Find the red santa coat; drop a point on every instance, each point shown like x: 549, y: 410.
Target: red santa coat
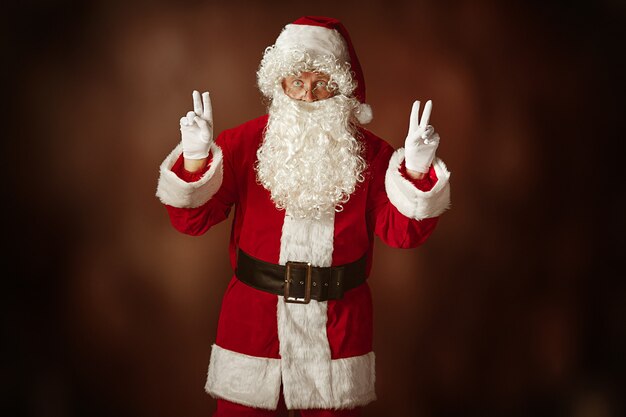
x: 321, y: 351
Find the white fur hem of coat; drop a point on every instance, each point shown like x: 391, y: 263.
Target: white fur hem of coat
x: 175, y: 192
x: 351, y: 384
x: 243, y: 379
x: 411, y: 201
x: 255, y: 381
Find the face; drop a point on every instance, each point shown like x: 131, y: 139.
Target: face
x: 309, y: 86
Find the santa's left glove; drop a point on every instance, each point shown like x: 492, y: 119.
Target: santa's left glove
x: 421, y: 142
x: 196, y: 128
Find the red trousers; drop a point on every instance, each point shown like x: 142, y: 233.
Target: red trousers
x: 229, y: 409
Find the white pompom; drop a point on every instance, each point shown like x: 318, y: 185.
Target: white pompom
x: 364, y: 113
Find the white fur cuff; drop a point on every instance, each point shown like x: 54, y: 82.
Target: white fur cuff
x: 243, y: 379
x: 173, y: 191
x: 411, y: 201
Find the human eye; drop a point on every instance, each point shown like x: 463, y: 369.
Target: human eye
x: 297, y: 83
x: 321, y: 84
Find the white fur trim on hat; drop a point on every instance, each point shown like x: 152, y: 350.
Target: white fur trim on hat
x: 316, y: 40
x: 175, y: 192
x: 364, y: 113
x: 411, y: 201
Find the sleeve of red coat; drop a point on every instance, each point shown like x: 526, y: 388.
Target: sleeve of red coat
x: 404, y: 211
x: 197, y: 201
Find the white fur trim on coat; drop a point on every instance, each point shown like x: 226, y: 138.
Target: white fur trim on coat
x: 255, y: 381
x: 411, y: 201
x: 307, y: 240
x: 311, y: 379
x: 353, y: 381
x: 304, y: 346
x: 244, y: 379
x: 313, y: 39
x: 173, y: 191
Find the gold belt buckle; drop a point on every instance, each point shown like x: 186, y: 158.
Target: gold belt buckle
x: 307, y: 282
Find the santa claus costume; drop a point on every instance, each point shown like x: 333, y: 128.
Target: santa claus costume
x: 317, y: 350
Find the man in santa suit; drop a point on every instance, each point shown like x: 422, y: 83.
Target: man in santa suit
x: 310, y: 188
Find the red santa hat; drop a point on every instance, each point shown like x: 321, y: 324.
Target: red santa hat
x: 320, y: 36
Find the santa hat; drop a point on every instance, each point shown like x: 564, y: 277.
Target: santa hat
x: 322, y: 37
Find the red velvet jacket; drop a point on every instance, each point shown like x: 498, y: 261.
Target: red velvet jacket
x: 322, y: 351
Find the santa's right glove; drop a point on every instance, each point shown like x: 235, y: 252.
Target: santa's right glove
x: 421, y: 142
x: 196, y: 128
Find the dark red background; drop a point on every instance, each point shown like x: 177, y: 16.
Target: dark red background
x: 515, y: 306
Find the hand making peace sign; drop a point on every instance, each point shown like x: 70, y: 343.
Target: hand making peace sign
x: 196, y: 128
x: 421, y: 142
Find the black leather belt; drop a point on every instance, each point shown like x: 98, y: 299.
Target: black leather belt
x: 300, y: 282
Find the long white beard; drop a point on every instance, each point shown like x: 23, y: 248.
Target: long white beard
x: 310, y: 160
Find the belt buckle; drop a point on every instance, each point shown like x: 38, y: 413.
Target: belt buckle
x: 307, y: 288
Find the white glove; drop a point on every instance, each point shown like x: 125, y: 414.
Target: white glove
x: 421, y: 142
x: 196, y: 128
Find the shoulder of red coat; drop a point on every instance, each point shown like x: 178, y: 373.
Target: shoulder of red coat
x: 251, y: 126
x: 252, y: 130
x: 374, y: 145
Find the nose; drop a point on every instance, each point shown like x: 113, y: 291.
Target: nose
x: 308, y: 96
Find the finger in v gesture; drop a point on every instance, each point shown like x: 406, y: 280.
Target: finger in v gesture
x: 202, y: 106
x: 415, y: 123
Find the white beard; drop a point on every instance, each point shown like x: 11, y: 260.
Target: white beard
x: 310, y: 160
